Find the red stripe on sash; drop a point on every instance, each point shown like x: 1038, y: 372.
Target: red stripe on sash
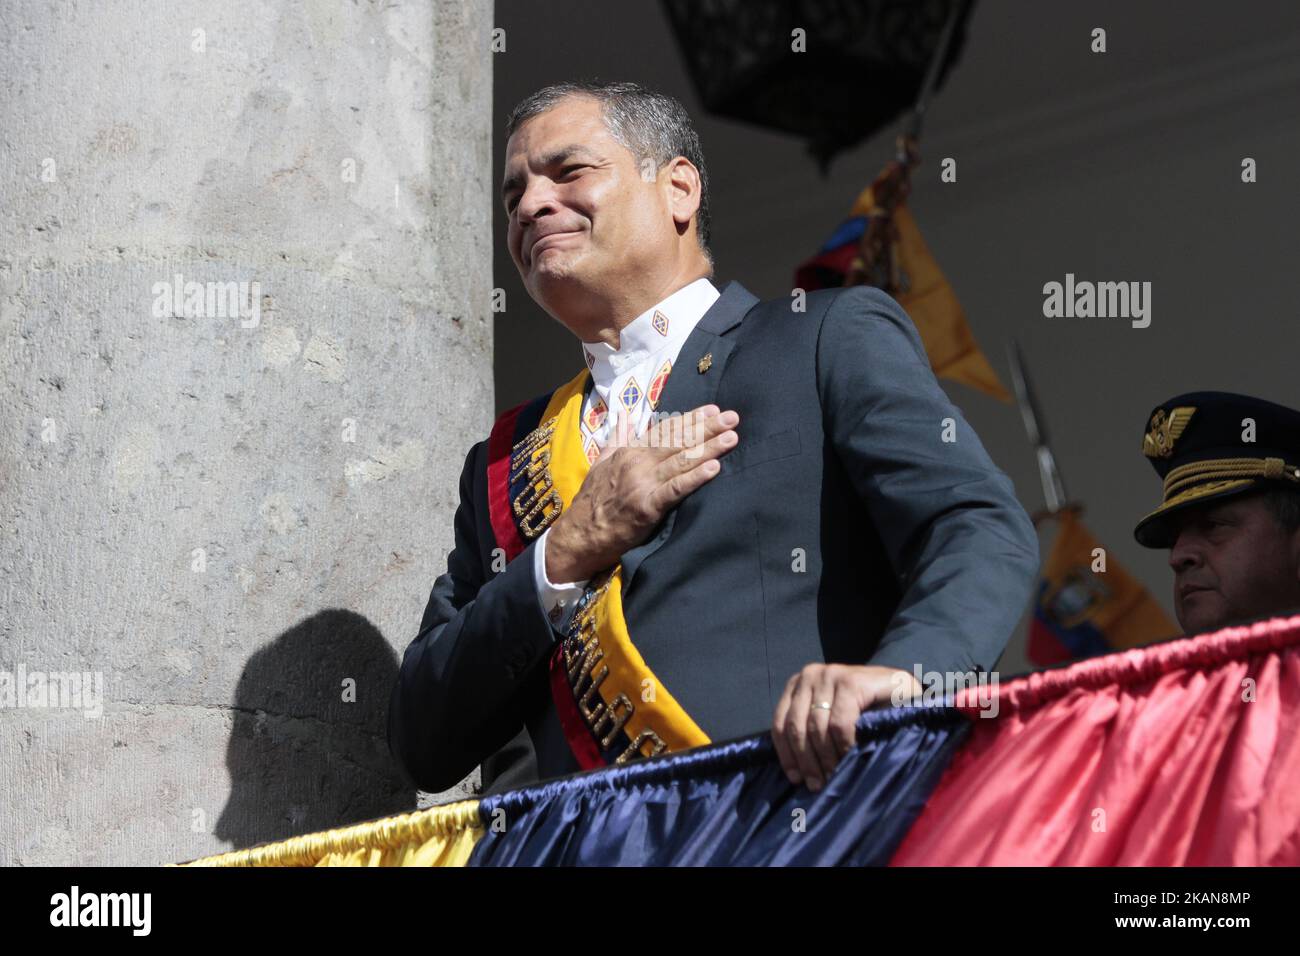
x: 500, y: 443
x: 575, y: 730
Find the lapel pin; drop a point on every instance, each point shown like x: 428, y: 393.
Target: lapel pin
x: 705, y: 363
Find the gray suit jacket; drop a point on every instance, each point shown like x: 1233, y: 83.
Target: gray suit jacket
x: 841, y: 528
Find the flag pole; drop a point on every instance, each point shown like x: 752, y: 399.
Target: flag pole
x: 932, y: 72
x: 877, y: 261
x: 1053, y: 484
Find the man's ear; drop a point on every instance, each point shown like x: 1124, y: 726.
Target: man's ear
x: 684, y: 183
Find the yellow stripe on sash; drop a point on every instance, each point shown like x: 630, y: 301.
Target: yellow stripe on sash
x: 569, y: 463
x: 661, y: 717
x: 656, y: 716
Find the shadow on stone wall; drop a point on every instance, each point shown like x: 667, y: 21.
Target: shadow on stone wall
x: 305, y: 754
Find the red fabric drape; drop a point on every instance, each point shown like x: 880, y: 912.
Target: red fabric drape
x: 1185, y: 753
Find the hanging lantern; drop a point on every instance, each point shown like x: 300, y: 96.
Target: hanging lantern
x: 833, y: 73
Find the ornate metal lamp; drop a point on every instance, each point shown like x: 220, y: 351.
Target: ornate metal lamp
x: 856, y: 67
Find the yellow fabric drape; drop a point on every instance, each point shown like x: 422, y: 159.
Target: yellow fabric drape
x: 439, y: 836
x: 933, y: 306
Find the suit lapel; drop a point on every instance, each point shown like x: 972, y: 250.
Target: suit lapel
x: 708, y: 346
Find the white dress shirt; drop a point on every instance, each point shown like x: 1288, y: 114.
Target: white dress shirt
x: 627, y: 379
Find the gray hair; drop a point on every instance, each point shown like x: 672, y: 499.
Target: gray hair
x: 646, y: 123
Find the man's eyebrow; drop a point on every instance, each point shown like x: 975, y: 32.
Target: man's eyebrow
x: 552, y: 158
x: 1220, y: 511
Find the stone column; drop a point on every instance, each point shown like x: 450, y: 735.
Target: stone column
x: 246, y: 341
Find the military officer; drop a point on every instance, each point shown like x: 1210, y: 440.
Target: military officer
x: 1230, y: 514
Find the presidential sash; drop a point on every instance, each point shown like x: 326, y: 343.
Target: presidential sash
x: 612, y: 707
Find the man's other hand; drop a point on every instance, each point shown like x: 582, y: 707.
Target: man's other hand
x: 816, y: 717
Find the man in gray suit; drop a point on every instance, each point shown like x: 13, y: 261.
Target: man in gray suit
x: 797, y: 518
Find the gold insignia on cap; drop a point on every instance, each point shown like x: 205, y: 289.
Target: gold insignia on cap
x: 704, y: 363
x: 1165, y: 429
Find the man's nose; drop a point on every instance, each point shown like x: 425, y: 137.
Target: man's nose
x: 535, y: 200
x: 1185, y: 553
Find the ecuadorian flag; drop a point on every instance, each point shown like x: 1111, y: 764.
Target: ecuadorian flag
x: 924, y: 292
x: 1087, y: 604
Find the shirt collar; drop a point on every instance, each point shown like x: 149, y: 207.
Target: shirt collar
x: 666, y: 324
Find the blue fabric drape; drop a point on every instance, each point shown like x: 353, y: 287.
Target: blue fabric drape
x: 730, y: 804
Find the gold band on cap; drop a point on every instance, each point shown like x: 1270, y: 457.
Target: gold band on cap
x: 1203, y: 479
x: 1221, y: 470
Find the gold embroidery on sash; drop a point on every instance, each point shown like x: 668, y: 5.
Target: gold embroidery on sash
x: 586, y: 672
x: 531, y: 505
